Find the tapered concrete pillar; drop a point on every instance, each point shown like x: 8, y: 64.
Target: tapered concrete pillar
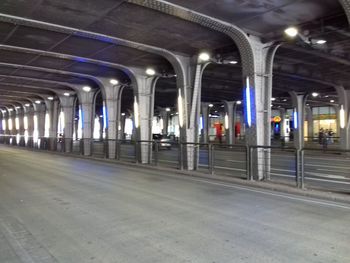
x: 299, y: 101
x: 310, y: 123
x: 111, y: 111
x: 87, y: 107
x: 4, y: 125
x: 20, y: 128
x: 39, y: 116
x: 1, y: 127
x: 257, y: 93
x: 11, y: 125
x: 231, y: 113
x: 144, y: 87
x: 121, y: 134
x: 343, y: 114
x: 189, y: 80
x: 283, y: 122
x: 205, y: 122
x: 67, y: 106
x: 164, y: 114
x: 52, y: 108
x: 29, y: 113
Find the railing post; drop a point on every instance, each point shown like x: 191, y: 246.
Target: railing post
x: 136, y: 152
x: 302, y: 166
x: 156, y: 153
x: 211, y: 158
x: 181, y: 156
x: 297, y: 163
x: 250, y: 163
x: 247, y: 156
x: 118, y: 145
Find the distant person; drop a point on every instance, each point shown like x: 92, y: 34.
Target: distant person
x: 331, y: 136
x: 291, y: 134
x: 320, y: 136
x: 325, y: 140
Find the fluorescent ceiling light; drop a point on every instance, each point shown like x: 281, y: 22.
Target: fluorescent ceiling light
x: 86, y: 88
x: 204, y: 56
x: 291, y: 32
x: 150, y: 72
x: 321, y: 42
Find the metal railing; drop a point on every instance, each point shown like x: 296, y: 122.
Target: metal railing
x: 326, y: 169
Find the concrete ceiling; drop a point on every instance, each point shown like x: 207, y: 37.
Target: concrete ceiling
x: 29, y: 51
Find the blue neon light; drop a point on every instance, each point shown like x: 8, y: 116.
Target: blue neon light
x: 81, y: 118
x: 295, y: 115
x: 104, y: 117
x: 247, y: 103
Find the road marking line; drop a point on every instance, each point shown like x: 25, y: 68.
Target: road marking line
x: 312, y: 179
x: 273, y: 194
x: 328, y: 166
x: 235, y: 161
x: 327, y: 175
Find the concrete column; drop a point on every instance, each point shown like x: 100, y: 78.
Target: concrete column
x: 87, y: 107
x: 299, y: 108
x: 5, y: 130
x: 165, y: 118
x: 189, y: 96
x: 344, y: 107
x: 310, y: 124
x: 144, y: 87
x: 283, y: 122
x: 20, y: 131
x: 1, y: 127
x: 52, y: 108
x: 11, y: 119
x: 231, y: 111
x: 257, y: 76
x: 121, y: 133
x: 112, y: 102
x: 205, y: 122
x: 40, y: 112
x: 67, y: 106
x: 29, y: 113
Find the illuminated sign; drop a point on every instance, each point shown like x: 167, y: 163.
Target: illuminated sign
x: 277, y: 119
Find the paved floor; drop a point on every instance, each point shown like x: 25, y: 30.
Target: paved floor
x: 62, y: 209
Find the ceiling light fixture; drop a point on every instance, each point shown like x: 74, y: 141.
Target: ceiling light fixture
x: 114, y: 82
x: 239, y: 102
x: 150, y: 72
x: 291, y: 31
x: 273, y: 99
x: 50, y: 98
x: 233, y: 62
x: 204, y: 56
x: 314, y: 94
x: 321, y: 42
x: 210, y: 105
x: 167, y: 109
x: 86, y: 88
x: 37, y: 101
x: 331, y: 101
x: 66, y: 94
x: 27, y: 104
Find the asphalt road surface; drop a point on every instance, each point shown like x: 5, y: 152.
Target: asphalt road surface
x: 64, y: 209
